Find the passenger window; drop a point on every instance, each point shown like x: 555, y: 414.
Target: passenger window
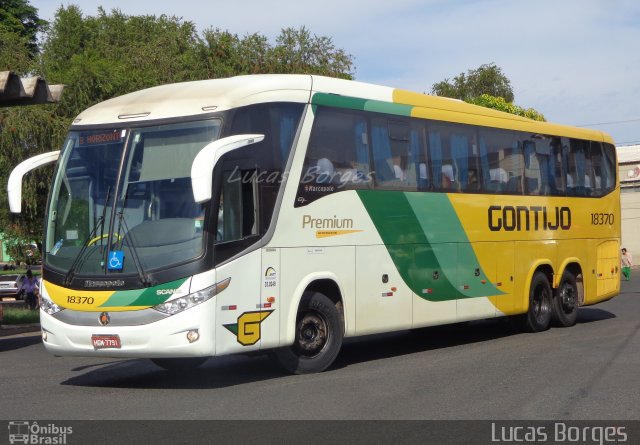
x: 558, y: 166
x: 393, y: 154
x: 540, y: 166
x: 501, y: 160
x: 455, y: 158
x: 579, y: 178
x: 337, y: 156
x: 603, y: 170
x: 609, y: 168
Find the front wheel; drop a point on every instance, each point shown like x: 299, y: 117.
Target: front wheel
x: 565, y: 301
x: 538, y: 317
x: 318, y: 336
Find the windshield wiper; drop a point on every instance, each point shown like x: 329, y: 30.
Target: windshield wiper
x: 142, y: 275
x: 79, y: 261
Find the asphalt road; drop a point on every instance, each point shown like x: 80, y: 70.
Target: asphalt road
x: 481, y: 370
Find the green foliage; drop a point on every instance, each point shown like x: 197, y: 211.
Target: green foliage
x: 14, y: 54
x: 486, y: 79
x: 486, y: 86
x: 19, y: 18
x: 19, y: 315
x: 295, y: 51
x: 498, y: 103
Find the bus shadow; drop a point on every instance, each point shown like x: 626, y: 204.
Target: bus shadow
x: 10, y: 344
x: 382, y: 346
x: 229, y: 371
x: 590, y: 314
x: 218, y: 372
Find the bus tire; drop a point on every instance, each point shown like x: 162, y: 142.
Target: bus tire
x: 565, y: 301
x: 538, y: 317
x: 318, y: 336
x: 179, y: 364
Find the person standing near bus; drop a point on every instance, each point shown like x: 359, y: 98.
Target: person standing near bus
x: 627, y: 262
x: 30, y: 287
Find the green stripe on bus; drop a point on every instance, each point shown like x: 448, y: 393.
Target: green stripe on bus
x: 143, y: 297
x: 406, y: 222
x: 354, y: 103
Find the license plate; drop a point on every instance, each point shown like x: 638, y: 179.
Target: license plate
x: 106, y: 342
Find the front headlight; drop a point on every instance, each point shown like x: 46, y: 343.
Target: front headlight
x: 178, y: 305
x: 48, y: 306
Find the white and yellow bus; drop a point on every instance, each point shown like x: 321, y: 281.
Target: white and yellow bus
x: 286, y: 212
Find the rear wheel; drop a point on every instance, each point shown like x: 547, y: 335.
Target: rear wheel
x: 179, y: 364
x: 565, y: 301
x: 538, y: 317
x: 318, y: 336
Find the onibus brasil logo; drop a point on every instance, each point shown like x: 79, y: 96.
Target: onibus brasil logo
x: 34, y: 433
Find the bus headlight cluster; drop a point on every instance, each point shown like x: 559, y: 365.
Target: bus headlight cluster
x: 178, y: 305
x: 48, y: 306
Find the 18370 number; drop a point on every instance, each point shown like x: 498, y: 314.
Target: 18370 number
x: 75, y: 299
x: 601, y: 219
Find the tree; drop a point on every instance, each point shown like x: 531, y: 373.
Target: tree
x: 498, y: 103
x: 486, y: 86
x: 295, y: 51
x: 486, y: 79
x: 18, y: 17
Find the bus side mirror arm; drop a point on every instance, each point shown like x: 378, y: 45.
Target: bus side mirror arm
x: 207, y: 158
x: 14, y: 186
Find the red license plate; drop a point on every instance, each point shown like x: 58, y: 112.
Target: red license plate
x: 106, y: 341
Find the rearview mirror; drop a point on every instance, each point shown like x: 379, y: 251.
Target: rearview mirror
x: 207, y: 158
x: 14, y: 186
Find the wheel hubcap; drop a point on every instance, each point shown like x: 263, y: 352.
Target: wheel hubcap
x: 312, y: 334
x: 568, y: 299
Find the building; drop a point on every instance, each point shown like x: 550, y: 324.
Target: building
x: 629, y: 172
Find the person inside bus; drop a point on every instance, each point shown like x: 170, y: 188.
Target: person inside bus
x: 472, y: 177
x: 325, y: 170
x: 448, y: 178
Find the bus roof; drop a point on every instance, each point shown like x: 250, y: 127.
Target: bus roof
x: 203, y: 97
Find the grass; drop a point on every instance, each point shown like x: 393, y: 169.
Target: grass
x: 14, y: 315
x: 35, y: 270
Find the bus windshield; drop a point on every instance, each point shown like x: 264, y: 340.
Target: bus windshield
x: 122, y: 200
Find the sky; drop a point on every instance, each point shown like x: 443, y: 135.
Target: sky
x: 575, y: 61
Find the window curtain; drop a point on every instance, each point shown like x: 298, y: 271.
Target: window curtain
x: 435, y: 152
x: 382, y: 153
x: 460, y: 155
x: 287, y: 133
x: 484, y: 162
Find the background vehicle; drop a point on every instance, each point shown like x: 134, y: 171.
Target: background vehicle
x: 286, y: 212
x: 9, y: 285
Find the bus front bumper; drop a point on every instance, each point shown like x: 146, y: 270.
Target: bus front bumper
x: 186, y: 334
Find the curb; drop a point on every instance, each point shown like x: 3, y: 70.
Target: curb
x: 14, y: 329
